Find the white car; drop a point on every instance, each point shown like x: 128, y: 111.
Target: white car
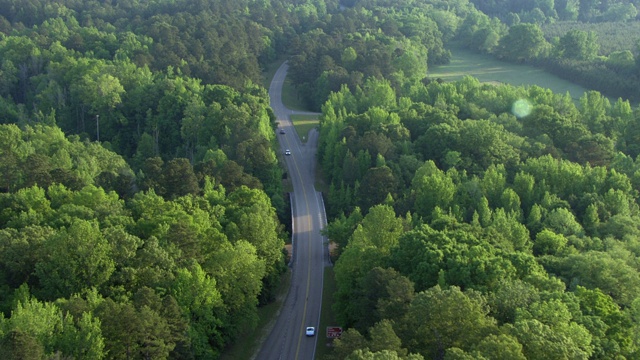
x: 287, y: 152
x: 311, y: 331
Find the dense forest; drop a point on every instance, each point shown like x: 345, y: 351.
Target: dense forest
x: 550, y: 10
x: 477, y: 221
x: 591, y: 43
x: 142, y: 203
x: 88, y: 275
x: 143, y: 213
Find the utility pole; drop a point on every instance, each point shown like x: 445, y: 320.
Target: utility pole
x: 98, y: 126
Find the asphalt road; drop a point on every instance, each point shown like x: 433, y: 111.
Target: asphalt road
x: 301, y: 308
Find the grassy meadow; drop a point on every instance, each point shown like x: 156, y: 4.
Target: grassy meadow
x: 290, y: 97
x: 270, y: 70
x: 303, y: 124
x: 487, y: 69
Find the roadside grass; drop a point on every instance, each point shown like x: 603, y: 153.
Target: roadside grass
x: 327, y: 317
x: 303, y: 124
x: 248, y: 343
x: 270, y: 70
x: 287, y: 185
x: 487, y: 69
x: 291, y: 98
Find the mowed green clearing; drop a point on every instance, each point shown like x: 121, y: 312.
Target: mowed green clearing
x: 487, y: 69
x: 303, y: 124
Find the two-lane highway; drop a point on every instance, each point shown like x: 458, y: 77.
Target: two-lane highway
x: 301, y: 308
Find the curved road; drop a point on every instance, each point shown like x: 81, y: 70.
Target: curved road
x: 287, y: 339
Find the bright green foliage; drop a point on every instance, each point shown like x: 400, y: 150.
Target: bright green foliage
x: 69, y: 162
x: 42, y: 328
x: 491, y: 202
x: 400, y: 53
x: 350, y: 341
x: 562, y: 221
x: 423, y: 253
x: 132, y: 332
x: 251, y: 217
x: 484, y: 212
x: 74, y: 259
x: 376, y: 93
x: 500, y: 347
x: 381, y: 355
x: 508, y: 233
x: 615, y: 336
x: 493, y: 184
x: 356, y: 261
x: 379, y: 229
x: 579, y: 45
x: 455, y: 353
x: 340, y: 230
x: 200, y: 301
x: 555, y: 337
x: 383, y: 338
x: 238, y: 271
x: 349, y: 56
x: 412, y: 64
x: 511, y: 202
x: 594, y: 110
x: 433, y: 188
x: 82, y: 338
x: 440, y: 319
x: 524, y: 42
x: 549, y: 243
x: 516, y: 204
x: 75, y: 237
x: 486, y: 143
x: 509, y: 296
x: 381, y: 294
x: 38, y: 319
x: 21, y: 251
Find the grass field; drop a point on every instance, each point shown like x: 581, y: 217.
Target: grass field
x: 290, y: 97
x: 488, y: 69
x: 303, y: 124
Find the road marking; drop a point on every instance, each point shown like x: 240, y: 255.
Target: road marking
x: 306, y: 297
x: 286, y: 112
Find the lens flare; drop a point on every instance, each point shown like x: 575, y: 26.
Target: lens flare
x: 521, y: 108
